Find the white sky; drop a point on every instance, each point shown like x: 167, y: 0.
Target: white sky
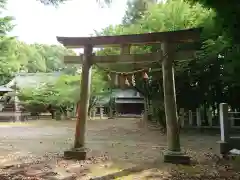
x: 38, y: 23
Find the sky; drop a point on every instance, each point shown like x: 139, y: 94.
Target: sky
x: 36, y: 23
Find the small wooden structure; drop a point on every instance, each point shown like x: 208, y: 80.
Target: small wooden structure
x: 165, y: 55
x: 129, y: 106
x: 121, y: 102
x: 127, y: 102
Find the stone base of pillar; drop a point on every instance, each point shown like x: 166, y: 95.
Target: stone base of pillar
x: 224, y: 147
x: 176, y: 158
x: 76, y: 153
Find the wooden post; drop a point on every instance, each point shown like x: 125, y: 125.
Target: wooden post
x: 169, y: 99
x: 209, y: 115
x: 198, y: 115
x: 16, y: 111
x: 84, y: 98
x: 232, y: 120
x: 182, y: 117
x: 101, y: 112
x: 145, y: 115
x: 190, y: 116
x: 111, y: 113
x: 150, y: 108
x: 94, y: 112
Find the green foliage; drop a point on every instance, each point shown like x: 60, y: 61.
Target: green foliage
x: 173, y: 15
x: 60, y: 95
x: 228, y: 13
x: 135, y: 10
x: 211, y: 78
x: 17, y: 56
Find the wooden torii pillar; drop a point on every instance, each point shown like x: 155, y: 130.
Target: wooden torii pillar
x: 167, y: 40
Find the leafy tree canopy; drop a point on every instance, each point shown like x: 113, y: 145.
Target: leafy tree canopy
x: 211, y: 78
x: 17, y: 56
x: 228, y: 13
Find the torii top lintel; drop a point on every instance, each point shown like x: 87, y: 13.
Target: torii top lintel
x: 187, y: 35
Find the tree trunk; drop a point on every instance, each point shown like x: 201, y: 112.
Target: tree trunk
x: 52, y: 114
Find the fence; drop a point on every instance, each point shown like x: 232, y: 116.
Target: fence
x: 195, y: 119
x: 228, y: 140
x: 198, y: 119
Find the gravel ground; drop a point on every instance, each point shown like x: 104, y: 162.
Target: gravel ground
x: 114, y: 145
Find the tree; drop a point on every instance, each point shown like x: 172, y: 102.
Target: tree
x: 62, y: 95
x: 5, y: 21
x: 227, y: 15
x: 59, y: 96
x: 218, y: 57
x: 173, y: 15
x: 5, y: 41
x: 17, y: 56
x: 135, y: 10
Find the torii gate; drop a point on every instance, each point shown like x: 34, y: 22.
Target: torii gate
x: 167, y: 41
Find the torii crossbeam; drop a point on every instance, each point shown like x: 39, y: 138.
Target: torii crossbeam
x: 166, y: 41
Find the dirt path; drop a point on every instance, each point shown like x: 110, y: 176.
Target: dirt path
x: 114, y: 145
